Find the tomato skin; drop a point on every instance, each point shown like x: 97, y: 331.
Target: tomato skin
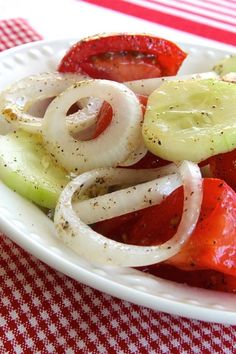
x: 160, y: 57
x: 104, y: 119
x: 105, y: 115
x: 158, y: 223
x: 212, y: 252
x: 143, y: 102
x: 150, y: 161
x: 212, y: 245
x: 224, y: 166
x: 213, y: 242
x: 207, y: 279
x: 119, y: 227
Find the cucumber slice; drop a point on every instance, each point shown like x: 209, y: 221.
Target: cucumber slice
x: 27, y: 168
x: 226, y: 66
x: 191, y: 120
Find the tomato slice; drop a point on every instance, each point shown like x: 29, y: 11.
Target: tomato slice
x: 118, y: 228
x: 150, y: 161
x: 213, y: 242
x: 207, y: 279
x: 105, y: 115
x: 224, y: 166
x: 122, y: 67
x: 123, y: 57
x: 104, y: 119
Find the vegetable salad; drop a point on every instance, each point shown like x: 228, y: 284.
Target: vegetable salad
x: 137, y: 165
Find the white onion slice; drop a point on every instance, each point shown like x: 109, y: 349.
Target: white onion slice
x: 126, y: 200
x: 230, y: 77
x: 99, y: 249
x: 135, y: 156
x: 18, y: 99
x: 114, y: 145
x: 85, y: 117
x: 147, y: 86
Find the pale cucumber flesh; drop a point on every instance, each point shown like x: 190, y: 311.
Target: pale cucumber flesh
x: 191, y: 120
x: 27, y: 168
x: 227, y: 65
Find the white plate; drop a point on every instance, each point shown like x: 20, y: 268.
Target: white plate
x: 31, y: 229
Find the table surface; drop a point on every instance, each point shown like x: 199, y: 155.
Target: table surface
x: 45, y: 311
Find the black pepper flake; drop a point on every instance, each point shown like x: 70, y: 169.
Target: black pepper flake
x: 65, y: 225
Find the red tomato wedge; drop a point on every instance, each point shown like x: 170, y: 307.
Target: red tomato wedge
x: 123, y: 57
x: 150, y: 161
x: 213, y: 242
x: 207, y: 279
x: 104, y: 119
x: 224, y: 166
x: 105, y: 115
x: 122, y: 67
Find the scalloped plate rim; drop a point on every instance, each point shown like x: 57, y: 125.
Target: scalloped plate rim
x: 108, y: 284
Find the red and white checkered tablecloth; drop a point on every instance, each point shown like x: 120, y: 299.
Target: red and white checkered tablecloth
x: 44, y: 311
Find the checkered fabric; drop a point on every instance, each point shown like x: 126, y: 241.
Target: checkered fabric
x: 44, y: 311
x: 14, y: 32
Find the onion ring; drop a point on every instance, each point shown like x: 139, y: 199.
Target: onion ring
x: 135, y: 156
x: 99, y: 249
x: 229, y: 77
x: 86, y: 117
x: 114, y: 145
x: 16, y: 101
x: 126, y: 200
